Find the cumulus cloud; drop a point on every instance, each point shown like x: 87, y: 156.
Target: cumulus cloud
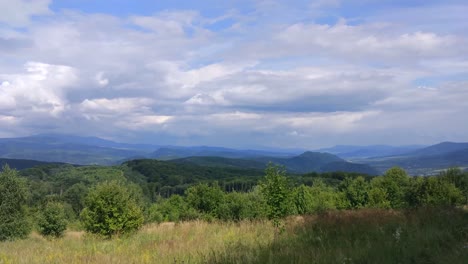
x: 179, y: 77
x: 42, y: 88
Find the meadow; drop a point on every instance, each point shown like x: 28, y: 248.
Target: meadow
x: 424, y: 235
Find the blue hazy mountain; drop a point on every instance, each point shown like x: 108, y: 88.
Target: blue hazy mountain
x: 428, y: 160
x: 69, y: 149
x: 356, y: 152
x: 174, y: 152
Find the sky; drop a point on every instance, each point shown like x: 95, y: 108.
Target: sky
x: 242, y: 74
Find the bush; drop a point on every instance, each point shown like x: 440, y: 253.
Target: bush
x: 13, y: 198
x: 435, y: 191
x: 53, y: 220
x: 111, y: 210
x: 173, y: 209
x: 204, y: 198
x: 356, y: 192
x: 235, y: 207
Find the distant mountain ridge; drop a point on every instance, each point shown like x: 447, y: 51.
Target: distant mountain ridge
x: 304, y: 163
x: 353, y: 152
x: 427, y: 160
x: 67, y: 149
x: 366, y: 159
x: 21, y: 164
x: 173, y: 152
x: 439, y: 149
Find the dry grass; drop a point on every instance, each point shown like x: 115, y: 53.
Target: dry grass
x: 187, y: 242
x: 362, y: 236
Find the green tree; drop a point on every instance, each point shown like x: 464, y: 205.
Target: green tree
x: 459, y: 179
x: 356, y: 192
x: 235, y: 207
x: 13, y: 197
x: 396, y: 184
x: 435, y: 191
x: 52, y: 220
x: 205, y: 198
x: 277, y: 193
x: 75, y: 196
x: 378, y: 197
x: 111, y: 210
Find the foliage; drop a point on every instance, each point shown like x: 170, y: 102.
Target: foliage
x: 13, y: 197
x: 356, y: 192
x: 277, y: 193
x: 172, y: 209
x: 75, y: 196
x: 459, y: 179
x: 205, y: 198
x: 111, y: 210
x: 52, y: 220
x: 317, y: 198
x: 396, y: 184
x: 435, y: 191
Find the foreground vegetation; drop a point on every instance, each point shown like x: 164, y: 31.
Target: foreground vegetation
x: 357, y: 236
x: 336, y: 218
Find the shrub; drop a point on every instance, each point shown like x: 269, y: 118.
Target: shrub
x: 356, y: 192
x: 13, y: 198
x: 53, y: 220
x: 111, y: 210
x: 173, y: 209
x: 435, y: 191
x: 204, y: 198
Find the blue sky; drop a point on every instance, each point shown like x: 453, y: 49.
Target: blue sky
x: 246, y: 74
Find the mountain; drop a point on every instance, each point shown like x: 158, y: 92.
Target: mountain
x: 356, y: 152
x: 69, y: 149
x: 304, y: 163
x: 21, y: 164
x: 173, y: 152
x: 439, y: 149
x: 427, y: 160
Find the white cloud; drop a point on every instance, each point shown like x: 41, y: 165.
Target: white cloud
x: 18, y: 13
x: 42, y: 88
x: 288, y: 81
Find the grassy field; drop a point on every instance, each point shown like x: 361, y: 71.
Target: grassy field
x: 363, y: 236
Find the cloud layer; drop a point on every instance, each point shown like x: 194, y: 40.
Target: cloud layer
x: 263, y: 73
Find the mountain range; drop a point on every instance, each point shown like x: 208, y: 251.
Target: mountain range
x: 375, y: 159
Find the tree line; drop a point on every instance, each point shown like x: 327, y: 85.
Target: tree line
x: 113, y: 201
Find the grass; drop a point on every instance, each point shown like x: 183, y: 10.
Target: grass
x: 165, y: 243
x: 363, y: 236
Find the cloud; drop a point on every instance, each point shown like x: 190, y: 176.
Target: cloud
x: 18, y: 13
x: 41, y: 88
x: 239, y: 78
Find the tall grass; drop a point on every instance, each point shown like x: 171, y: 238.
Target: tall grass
x: 363, y: 236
